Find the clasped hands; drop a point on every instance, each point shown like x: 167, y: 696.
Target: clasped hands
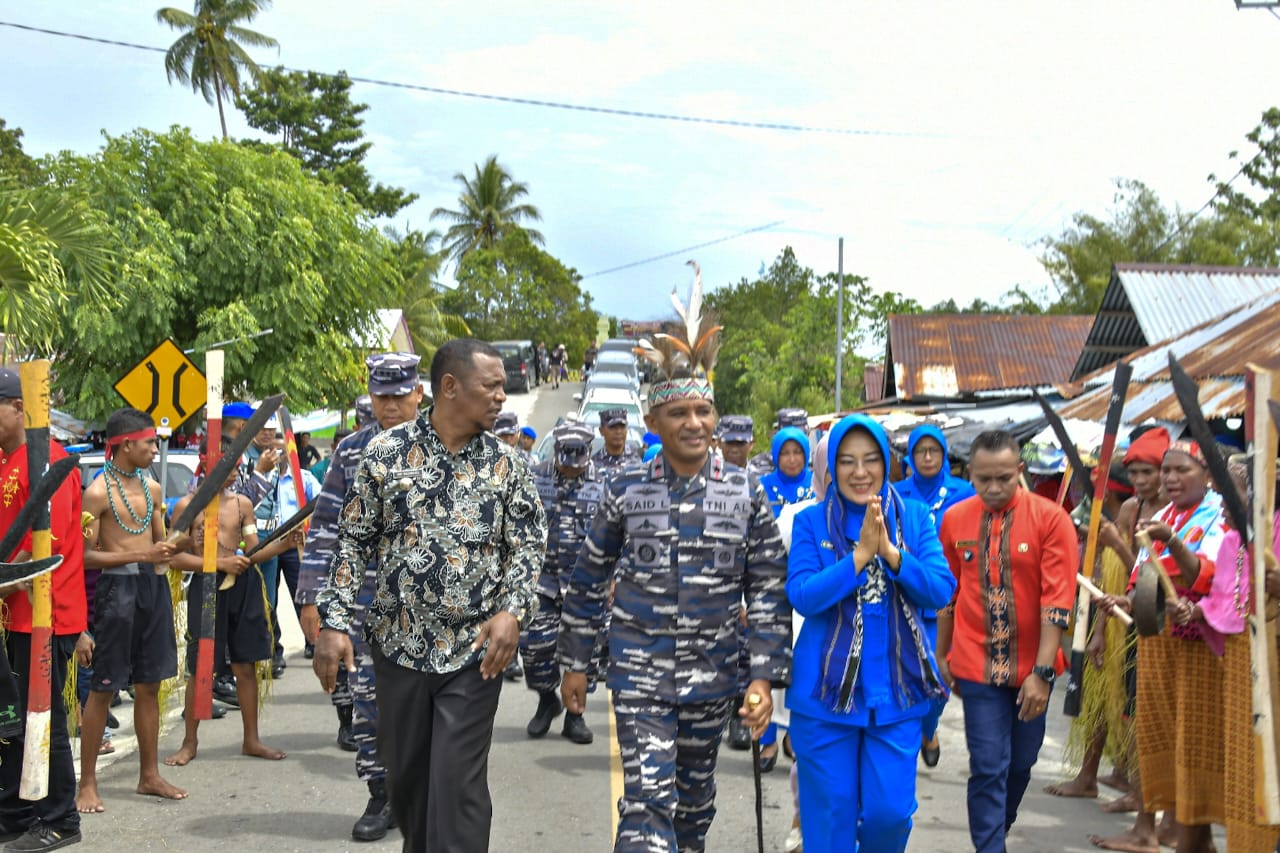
x: 874, y: 539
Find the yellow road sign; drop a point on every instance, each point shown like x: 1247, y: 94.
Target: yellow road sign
x: 165, y: 384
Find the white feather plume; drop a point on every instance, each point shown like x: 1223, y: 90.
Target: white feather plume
x: 693, y: 319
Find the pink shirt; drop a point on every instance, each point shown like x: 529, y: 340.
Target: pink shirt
x: 1228, y: 604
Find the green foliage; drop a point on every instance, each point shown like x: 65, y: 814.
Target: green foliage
x: 779, y: 342
x: 214, y: 241
x: 515, y: 290
x: 15, y: 165
x: 44, y: 234
x: 317, y: 122
x: 209, y: 54
x: 420, y: 295
x: 487, y: 211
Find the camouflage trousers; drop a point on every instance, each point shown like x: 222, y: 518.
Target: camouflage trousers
x: 356, y: 691
x: 538, y: 648
x: 668, y: 773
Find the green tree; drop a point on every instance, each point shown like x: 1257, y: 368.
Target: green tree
x: 420, y: 295
x: 215, y: 242
x: 516, y: 290
x: 314, y: 119
x: 209, y: 53
x: 15, y: 164
x: 489, y: 208
x: 53, y: 254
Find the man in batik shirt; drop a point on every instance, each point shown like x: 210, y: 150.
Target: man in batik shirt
x: 454, y: 518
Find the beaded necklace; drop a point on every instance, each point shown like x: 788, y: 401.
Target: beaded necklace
x: 112, y: 474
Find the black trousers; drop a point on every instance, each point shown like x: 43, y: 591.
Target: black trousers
x: 58, y: 809
x: 434, y: 732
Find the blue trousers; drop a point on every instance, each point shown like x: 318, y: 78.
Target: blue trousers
x: 857, y: 784
x: 1002, y: 751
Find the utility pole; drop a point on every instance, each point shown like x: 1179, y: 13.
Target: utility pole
x: 840, y: 324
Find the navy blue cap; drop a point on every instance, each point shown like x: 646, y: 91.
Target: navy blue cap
x: 393, y: 374
x: 506, y: 423
x: 234, y: 410
x: 573, y: 445
x: 10, y: 385
x: 613, y: 417
x: 792, y: 418
x: 737, y: 428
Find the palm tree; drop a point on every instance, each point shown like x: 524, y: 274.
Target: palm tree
x: 487, y: 210
x: 208, y: 55
x: 45, y: 233
x: 421, y: 297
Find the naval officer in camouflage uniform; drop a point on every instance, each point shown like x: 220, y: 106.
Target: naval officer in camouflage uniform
x: 615, y: 453
x: 691, y: 538
x: 395, y: 391
x: 570, y: 488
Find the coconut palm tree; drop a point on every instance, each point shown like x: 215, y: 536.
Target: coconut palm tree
x: 421, y: 296
x: 208, y: 54
x: 487, y: 209
x: 46, y: 233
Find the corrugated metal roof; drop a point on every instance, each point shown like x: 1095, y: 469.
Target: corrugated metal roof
x: 1214, y: 354
x: 1148, y: 303
x: 949, y: 355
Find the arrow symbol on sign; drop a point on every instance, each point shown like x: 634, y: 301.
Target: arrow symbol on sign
x: 155, y: 387
x: 177, y: 384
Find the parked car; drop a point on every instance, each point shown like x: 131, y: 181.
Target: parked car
x: 618, y: 362
x: 635, y: 441
x: 179, y: 472
x: 612, y: 380
x: 519, y: 360
x: 596, y: 400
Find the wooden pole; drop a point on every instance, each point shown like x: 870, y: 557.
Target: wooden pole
x: 34, y: 784
x: 209, y: 574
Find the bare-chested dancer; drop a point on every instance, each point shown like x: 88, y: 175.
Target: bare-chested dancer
x: 133, y: 640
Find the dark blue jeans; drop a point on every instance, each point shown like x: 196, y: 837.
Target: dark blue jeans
x: 1002, y: 751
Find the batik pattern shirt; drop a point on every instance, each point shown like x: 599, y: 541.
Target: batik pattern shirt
x: 457, y: 539
x: 687, y: 552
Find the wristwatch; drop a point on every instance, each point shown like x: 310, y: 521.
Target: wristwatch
x: 1044, y: 673
x: 517, y: 612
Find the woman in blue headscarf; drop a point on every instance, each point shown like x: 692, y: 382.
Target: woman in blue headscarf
x: 790, y: 481
x: 863, y: 565
x: 931, y: 483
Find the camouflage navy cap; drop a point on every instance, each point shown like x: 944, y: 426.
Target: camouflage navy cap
x: 506, y: 423
x: 613, y: 417
x: 393, y: 374
x: 792, y: 418
x: 737, y: 428
x: 573, y: 445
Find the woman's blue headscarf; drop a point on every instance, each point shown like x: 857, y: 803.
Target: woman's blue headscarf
x: 912, y: 673
x: 780, y: 488
x: 926, y: 488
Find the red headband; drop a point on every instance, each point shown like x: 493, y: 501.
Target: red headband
x: 137, y: 435
x: 1191, y: 449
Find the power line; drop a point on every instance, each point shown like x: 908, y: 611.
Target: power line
x: 531, y: 102
x: 686, y: 249
x: 1219, y: 191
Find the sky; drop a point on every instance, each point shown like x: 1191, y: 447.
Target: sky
x: 968, y: 132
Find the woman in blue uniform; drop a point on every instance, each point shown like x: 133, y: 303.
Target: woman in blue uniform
x: 863, y: 565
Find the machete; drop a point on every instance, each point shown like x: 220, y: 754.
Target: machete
x: 216, y: 478
x: 11, y: 573
x: 1188, y: 393
x: 1079, y: 471
x: 1080, y: 634
x: 40, y: 496
x: 286, y: 527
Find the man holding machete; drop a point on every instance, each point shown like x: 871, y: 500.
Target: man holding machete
x: 53, y: 821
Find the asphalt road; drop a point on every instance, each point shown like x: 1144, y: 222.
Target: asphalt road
x: 549, y: 794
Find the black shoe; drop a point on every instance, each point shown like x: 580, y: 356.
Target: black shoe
x: 549, y: 708
x: 224, y: 690
x: 216, y: 712
x: 309, y: 651
x: 112, y: 722
x: 513, y: 672
x: 377, y: 819
x: 739, y: 734
x: 931, y: 754
x: 575, y: 729
x: 277, y: 669
x: 41, y: 837
x: 346, y: 738
x: 768, y: 762
x: 7, y: 835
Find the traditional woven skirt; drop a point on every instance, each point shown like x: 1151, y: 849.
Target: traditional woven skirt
x: 1243, y: 833
x: 1180, y: 737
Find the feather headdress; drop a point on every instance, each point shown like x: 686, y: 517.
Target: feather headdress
x: 687, y: 357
